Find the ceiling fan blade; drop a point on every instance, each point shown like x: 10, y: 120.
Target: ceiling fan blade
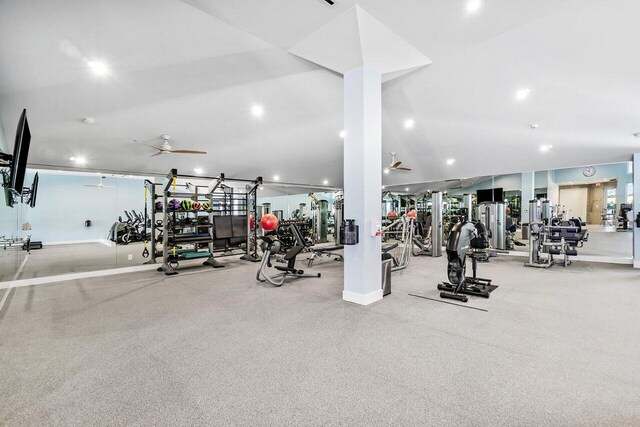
x: 403, y: 169
x: 188, y: 152
x: 395, y: 165
x: 91, y: 185
x: 149, y: 145
x: 157, y: 154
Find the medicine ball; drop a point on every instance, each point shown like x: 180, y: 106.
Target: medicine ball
x: 174, y: 204
x: 159, y: 206
x: 392, y: 215
x: 412, y: 214
x: 269, y: 222
x: 185, y: 205
x: 195, y: 206
x: 206, y: 206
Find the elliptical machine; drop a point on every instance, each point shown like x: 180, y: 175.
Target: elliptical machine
x: 466, y: 238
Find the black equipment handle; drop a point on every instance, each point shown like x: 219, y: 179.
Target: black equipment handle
x: 145, y: 251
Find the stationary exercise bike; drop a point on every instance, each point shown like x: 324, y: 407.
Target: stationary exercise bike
x: 271, y: 247
x: 466, y: 238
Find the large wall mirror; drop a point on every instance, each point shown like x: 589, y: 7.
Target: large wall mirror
x: 599, y: 196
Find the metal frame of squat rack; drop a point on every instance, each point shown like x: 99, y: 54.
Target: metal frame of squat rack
x: 247, y: 204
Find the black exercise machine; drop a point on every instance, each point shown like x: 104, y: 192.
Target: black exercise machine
x: 466, y: 238
x: 623, y: 220
x: 330, y: 251
x: 271, y: 247
x: 386, y: 252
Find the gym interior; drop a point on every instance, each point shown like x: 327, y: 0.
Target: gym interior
x: 313, y: 212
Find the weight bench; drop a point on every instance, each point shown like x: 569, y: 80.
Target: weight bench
x: 315, y: 252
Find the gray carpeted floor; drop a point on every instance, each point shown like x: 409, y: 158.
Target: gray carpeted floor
x: 213, y: 347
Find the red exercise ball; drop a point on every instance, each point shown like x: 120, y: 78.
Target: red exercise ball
x: 412, y: 214
x: 392, y: 214
x: 269, y: 222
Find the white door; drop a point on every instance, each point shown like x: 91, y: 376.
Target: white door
x: 574, y: 201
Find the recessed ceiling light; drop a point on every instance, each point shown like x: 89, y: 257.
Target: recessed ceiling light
x: 409, y: 124
x: 343, y: 134
x: 545, y: 148
x: 261, y: 187
x: 99, y: 68
x: 325, y: 182
x: 522, y: 93
x: 533, y: 126
x: 383, y: 187
x: 386, y: 170
x: 72, y: 159
x: 406, y: 189
x: 276, y: 178
x: 80, y: 161
x: 88, y: 121
x: 257, y: 110
x: 473, y: 6
x: 451, y: 161
x: 198, y: 171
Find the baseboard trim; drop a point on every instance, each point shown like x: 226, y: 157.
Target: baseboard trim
x: 362, y: 299
x: 76, y: 276
x: 75, y: 242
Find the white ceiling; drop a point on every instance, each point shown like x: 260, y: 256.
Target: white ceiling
x: 194, y: 68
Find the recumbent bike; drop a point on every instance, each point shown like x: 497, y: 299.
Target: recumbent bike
x: 271, y: 247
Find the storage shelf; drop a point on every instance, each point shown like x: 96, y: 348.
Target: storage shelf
x: 173, y: 240
x: 187, y: 211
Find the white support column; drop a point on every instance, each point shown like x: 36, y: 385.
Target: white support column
x: 636, y: 209
x: 365, y: 52
x: 363, y: 182
x: 528, y: 193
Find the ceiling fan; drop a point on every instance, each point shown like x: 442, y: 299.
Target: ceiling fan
x: 100, y: 184
x: 395, y: 164
x: 166, y: 148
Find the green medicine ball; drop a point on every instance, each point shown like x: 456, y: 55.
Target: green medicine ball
x: 185, y: 205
